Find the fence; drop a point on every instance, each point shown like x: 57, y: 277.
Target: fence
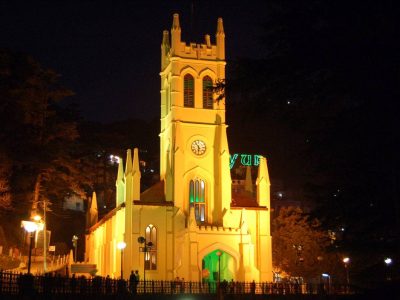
x: 13, y: 284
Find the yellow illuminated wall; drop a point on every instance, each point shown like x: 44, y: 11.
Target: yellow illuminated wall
x: 191, y: 207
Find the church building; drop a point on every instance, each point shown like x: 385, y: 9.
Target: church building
x: 192, y: 224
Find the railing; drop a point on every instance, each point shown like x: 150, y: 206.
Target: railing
x: 12, y: 284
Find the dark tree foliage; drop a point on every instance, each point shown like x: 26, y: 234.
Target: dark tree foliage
x: 301, y: 248
x: 37, y: 137
x: 323, y: 101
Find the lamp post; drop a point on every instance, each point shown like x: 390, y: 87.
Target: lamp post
x: 145, y: 249
x: 121, y: 246
x: 346, y: 261
x: 38, y: 219
x: 325, y: 275
x: 388, y: 261
x: 30, y: 227
x: 75, y: 244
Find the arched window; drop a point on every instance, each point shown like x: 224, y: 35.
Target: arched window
x: 151, y: 253
x: 188, y: 91
x: 197, y: 199
x: 207, y: 92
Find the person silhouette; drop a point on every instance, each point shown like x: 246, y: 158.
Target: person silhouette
x: 132, y: 279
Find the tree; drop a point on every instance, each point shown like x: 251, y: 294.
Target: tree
x: 38, y: 136
x: 300, y: 246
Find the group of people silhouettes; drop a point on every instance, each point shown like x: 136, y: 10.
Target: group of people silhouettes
x: 134, y: 281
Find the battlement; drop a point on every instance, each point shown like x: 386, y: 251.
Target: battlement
x: 214, y: 228
x: 175, y: 47
x: 196, y: 51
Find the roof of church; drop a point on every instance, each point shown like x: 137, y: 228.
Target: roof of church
x: 243, y: 199
x: 154, y: 194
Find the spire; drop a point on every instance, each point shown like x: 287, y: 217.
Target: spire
x: 128, y: 167
x: 263, y: 170
x: 120, y: 175
x: 175, y: 34
x: 136, y: 175
x: 220, y: 37
x: 93, y: 212
x: 120, y: 183
x: 165, y: 39
x: 248, y: 185
x: 165, y: 46
x: 136, y: 168
x: 220, y: 27
x: 175, y: 23
x: 263, y: 184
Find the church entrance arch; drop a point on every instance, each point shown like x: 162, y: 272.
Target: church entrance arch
x: 218, y: 263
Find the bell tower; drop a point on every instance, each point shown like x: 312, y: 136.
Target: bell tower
x: 194, y: 153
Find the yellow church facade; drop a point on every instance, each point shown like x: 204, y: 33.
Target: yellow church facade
x: 191, y: 224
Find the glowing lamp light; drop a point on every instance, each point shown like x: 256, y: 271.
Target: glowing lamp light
x: 388, y: 261
x: 121, y: 245
x: 30, y: 226
x: 325, y: 275
x: 114, y: 159
x: 346, y: 260
x: 37, y: 218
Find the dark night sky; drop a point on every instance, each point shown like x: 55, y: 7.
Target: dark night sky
x: 109, y: 54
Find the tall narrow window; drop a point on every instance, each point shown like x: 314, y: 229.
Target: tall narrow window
x: 207, y: 92
x: 197, y: 199
x: 188, y: 91
x: 150, y: 259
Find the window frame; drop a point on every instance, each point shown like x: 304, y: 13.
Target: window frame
x: 188, y: 90
x: 150, y: 260
x: 197, y: 199
x: 208, y: 100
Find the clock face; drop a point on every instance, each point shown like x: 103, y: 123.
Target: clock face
x: 198, y: 147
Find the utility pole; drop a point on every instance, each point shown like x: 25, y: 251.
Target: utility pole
x: 44, y: 238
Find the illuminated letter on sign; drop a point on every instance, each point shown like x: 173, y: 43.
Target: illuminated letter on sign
x: 245, y: 159
x: 233, y: 160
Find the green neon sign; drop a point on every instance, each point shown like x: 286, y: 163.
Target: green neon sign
x: 244, y: 159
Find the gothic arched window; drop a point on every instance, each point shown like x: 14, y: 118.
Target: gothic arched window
x: 151, y: 253
x: 188, y: 91
x: 207, y: 92
x: 197, y: 199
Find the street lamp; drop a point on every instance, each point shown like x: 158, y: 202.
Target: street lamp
x: 75, y: 244
x: 38, y: 219
x: 346, y: 261
x: 145, y: 249
x: 388, y: 261
x: 325, y: 275
x: 30, y: 227
x: 121, y: 246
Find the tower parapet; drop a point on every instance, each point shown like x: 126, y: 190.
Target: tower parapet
x: 190, y: 50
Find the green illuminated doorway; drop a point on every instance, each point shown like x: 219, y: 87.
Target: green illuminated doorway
x: 211, y: 263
